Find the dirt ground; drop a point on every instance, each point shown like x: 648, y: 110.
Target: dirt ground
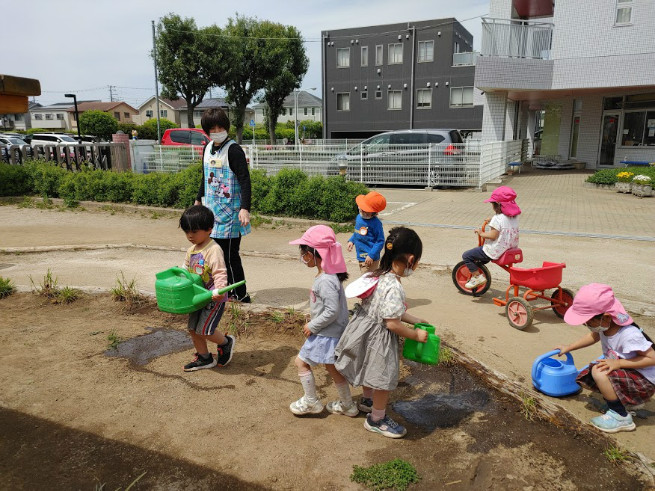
x: 76, y: 414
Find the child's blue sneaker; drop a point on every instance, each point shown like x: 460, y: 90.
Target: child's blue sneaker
x: 613, y: 422
x: 386, y: 427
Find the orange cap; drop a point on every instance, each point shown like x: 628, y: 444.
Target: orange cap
x: 372, y: 202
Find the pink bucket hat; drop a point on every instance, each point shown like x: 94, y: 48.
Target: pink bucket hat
x: 322, y: 238
x: 505, y: 196
x: 594, y: 299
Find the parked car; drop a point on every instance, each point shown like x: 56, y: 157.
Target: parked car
x: 185, y: 137
x: 53, y: 139
x: 6, y: 141
x: 406, y: 157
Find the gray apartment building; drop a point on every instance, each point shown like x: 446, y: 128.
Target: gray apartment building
x: 409, y: 75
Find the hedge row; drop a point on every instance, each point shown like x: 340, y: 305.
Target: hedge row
x: 289, y: 193
x: 608, y: 176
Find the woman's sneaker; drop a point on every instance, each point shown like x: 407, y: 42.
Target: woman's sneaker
x: 199, y: 363
x: 224, y: 353
x: 365, y: 404
x: 386, y: 427
x: 337, y: 407
x: 303, y: 406
x: 613, y: 422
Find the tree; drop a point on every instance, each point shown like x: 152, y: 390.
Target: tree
x: 293, y: 63
x: 148, y: 130
x: 257, y: 56
x: 98, y: 123
x: 189, y: 60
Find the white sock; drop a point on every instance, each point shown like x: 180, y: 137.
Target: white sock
x: 344, y: 394
x: 308, y: 385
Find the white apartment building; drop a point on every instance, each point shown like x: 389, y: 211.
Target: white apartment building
x: 584, y: 69
x: 309, y: 108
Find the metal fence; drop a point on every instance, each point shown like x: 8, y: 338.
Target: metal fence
x: 516, y: 38
x: 165, y: 158
x: 73, y: 156
x: 495, y: 156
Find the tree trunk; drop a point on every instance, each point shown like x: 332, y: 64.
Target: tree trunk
x: 189, y: 115
x: 272, y: 123
x: 239, y: 134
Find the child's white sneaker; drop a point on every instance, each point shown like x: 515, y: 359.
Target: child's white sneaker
x: 613, y: 422
x: 303, y: 406
x: 337, y: 407
x: 476, y: 281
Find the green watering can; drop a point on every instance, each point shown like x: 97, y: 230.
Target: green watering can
x: 427, y: 352
x: 181, y: 292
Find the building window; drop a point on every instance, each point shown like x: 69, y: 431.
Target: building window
x: 149, y: 113
x: 343, y: 57
x: 313, y: 111
x: 456, y: 47
x: 639, y: 129
x: 284, y: 111
x: 461, y: 97
x: 60, y: 116
x: 424, y: 98
x: 364, y: 55
x: 624, y: 11
x: 425, y: 51
x: 127, y: 115
x: 48, y: 116
x: 395, y: 56
x: 18, y: 117
x: 305, y: 111
x: 117, y: 115
x: 394, y: 100
x: 343, y: 101
x: 290, y: 111
x: 379, y: 55
x: 38, y: 116
x: 197, y: 114
x: 378, y: 94
x: 163, y: 113
x: 364, y: 96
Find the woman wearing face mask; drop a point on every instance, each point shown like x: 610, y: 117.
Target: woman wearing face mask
x: 626, y: 376
x: 226, y: 188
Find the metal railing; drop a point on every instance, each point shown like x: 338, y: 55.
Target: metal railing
x: 73, y: 156
x: 166, y: 158
x: 465, y: 59
x: 495, y: 156
x: 516, y: 38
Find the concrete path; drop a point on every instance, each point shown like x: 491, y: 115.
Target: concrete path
x: 602, y: 236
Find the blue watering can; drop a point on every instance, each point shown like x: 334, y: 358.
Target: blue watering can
x: 554, y: 377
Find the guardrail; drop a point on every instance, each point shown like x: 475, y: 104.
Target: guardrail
x: 73, y: 156
x: 516, y: 38
x: 465, y: 59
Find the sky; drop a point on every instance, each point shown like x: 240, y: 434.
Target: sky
x: 86, y: 46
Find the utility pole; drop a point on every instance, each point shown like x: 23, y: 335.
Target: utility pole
x: 111, y: 93
x: 154, y: 57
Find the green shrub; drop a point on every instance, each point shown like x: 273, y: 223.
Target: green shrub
x: 187, y: 183
x: 98, y: 123
x: 283, y: 187
x: 152, y: 189
x: 45, y: 178
x: 148, y: 130
x: 260, y: 186
x: 608, y: 176
x: 15, y: 180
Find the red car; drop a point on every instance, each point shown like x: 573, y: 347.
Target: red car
x: 185, y: 137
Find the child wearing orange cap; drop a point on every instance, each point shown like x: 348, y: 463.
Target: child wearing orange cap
x: 368, y: 237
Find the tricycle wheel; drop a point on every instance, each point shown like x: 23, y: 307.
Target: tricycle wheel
x: 519, y: 313
x: 461, y: 275
x: 558, y: 308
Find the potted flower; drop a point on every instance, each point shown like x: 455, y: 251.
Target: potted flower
x: 624, y: 182
x: 642, y: 186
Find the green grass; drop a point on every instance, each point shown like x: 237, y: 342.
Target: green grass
x: 113, y: 340
x: 48, y: 287
x: 126, y: 291
x: 447, y: 356
x: 396, y: 474
x: 238, y: 324
x: 67, y: 295
x: 6, y: 287
x: 617, y: 455
x: 342, y: 228
x: 277, y: 317
x: 528, y: 407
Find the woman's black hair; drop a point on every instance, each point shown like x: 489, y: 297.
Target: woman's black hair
x: 304, y: 249
x: 400, y: 243
x: 214, y: 117
x: 197, y: 217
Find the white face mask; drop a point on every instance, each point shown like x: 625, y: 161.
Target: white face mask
x: 218, y: 138
x: 408, y: 271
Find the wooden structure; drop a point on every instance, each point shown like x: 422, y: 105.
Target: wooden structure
x: 14, y: 93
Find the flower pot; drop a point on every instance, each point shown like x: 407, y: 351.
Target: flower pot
x: 623, y: 187
x: 642, y: 190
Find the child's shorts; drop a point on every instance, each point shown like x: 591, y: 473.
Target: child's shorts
x: 205, y: 320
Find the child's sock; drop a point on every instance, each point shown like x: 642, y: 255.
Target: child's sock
x: 617, y: 407
x: 367, y: 392
x: 308, y: 385
x: 344, y: 394
x: 377, y: 414
x: 206, y: 356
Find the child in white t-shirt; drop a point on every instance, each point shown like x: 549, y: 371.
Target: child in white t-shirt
x: 503, y: 234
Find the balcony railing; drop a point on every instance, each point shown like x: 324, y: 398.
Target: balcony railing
x: 516, y: 38
x: 465, y: 59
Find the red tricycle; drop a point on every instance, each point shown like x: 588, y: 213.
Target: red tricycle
x: 520, y: 313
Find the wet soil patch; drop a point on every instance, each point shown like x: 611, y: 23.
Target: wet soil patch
x: 159, y: 342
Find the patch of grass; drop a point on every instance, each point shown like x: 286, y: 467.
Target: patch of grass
x: 342, y: 227
x: 126, y: 291
x: 6, y: 287
x: 67, y: 295
x: 617, y: 455
x: 528, y: 406
x: 447, y: 356
x: 48, y: 287
x: 113, y: 340
x: 238, y: 322
x: 396, y: 474
x: 112, y: 209
x: 277, y: 317
x: 256, y: 220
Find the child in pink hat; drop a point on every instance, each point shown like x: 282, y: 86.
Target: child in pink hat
x: 503, y: 234
x: 329, y: 315
x: 626, y: 376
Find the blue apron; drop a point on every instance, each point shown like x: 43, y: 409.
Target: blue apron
x: 222, y: 193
